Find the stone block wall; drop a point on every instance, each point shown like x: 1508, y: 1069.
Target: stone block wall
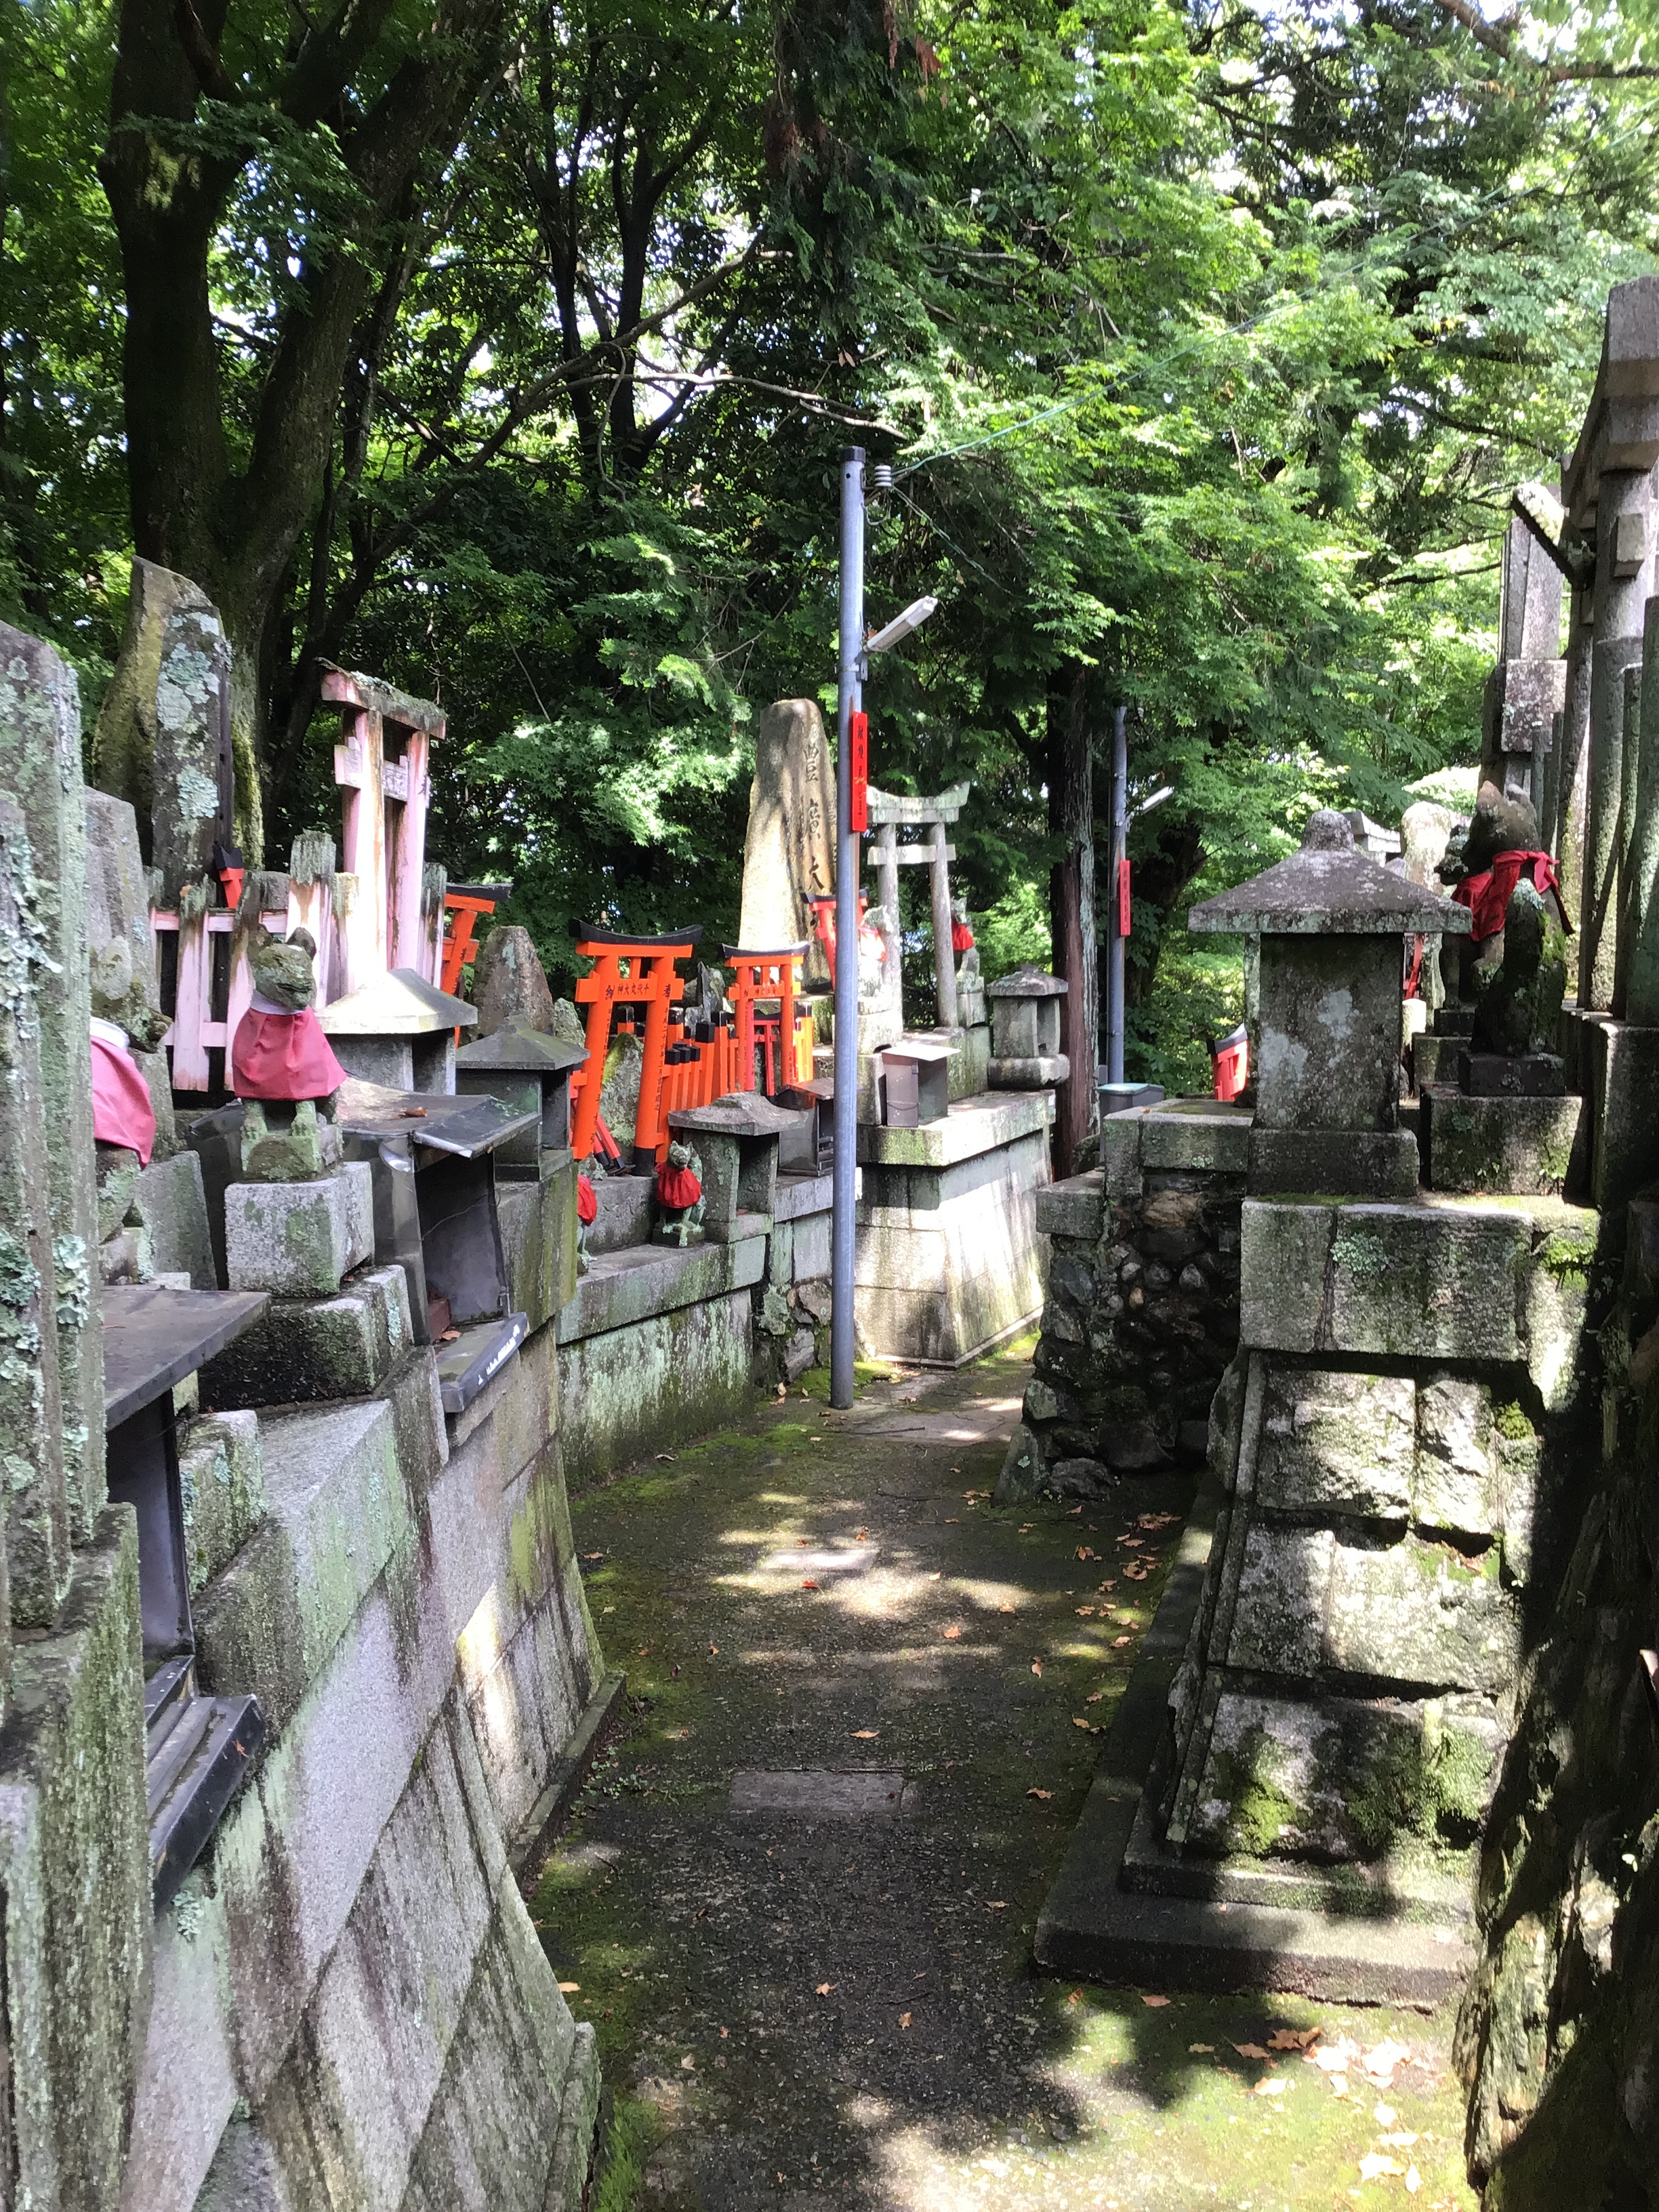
x: 1558, y: 2036
x: 1141, y: 1314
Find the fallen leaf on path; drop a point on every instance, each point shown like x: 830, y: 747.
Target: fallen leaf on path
x: 801, y: 1539
x: 1076, y: 1997
x: 1037, y: 1666
x: 1294, y: 2038
x: 570, y: 1987
x: 714, y: 1650
x: 1040, y: 1793
x: 953, y: 1631
x: 1139, y: 1571
x: 866, y: 1735
x: 1375, y: 2164
x: 1085, y: 1611
x: 1271, y: 2086
x: 1156, y: 1520
x: 1249, y: 2050
x: 904, y: 2019
x: 592, y: 1555
x: 1205, y: 2050
x: 1154, y: 2001
x: 809, y: 1585
x: 1335, y: 2057
x: 1094, y: 1697
x: 860, y: 1531
x: 1006, y: 1608
x: 1383, y: 2058
x: 1118, y: 1642
x: 1131, y: 1543
x: 1078, y: 1721
x: 725, y: 2032
x: 688, y: 2063
x: 996, y: 1904
x: 1087, y: 1551
x: 823, y: 1989
x: 1111, y: 1584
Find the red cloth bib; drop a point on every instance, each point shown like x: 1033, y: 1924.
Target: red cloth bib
x: 283, y: 1056
x: 962, y: 938
x: 677, y: 1186
x: 588, y: 1203
x: 122, y: 1111
x: 1487, y: 895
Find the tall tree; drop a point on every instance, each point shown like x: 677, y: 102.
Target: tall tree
x: 239, y: 133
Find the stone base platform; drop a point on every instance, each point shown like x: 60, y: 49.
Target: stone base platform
x: 949, y: 1259
x: 1092, y: 1925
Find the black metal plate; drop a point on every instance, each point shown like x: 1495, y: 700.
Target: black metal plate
x: 152, y: 1338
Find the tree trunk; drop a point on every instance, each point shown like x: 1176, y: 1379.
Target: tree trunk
x: 233, y: 530
x: 1071, y: 906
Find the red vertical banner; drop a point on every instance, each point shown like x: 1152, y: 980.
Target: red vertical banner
x: 1123, y: 895
x: 858, y: 737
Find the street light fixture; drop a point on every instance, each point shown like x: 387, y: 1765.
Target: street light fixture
x: 855, y: 651
x: 895, y: 632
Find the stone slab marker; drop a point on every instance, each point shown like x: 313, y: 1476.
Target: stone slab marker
x: 40, y: 767
x: 1608, y: 488
x: 192, y: 778
x: 788, y: 851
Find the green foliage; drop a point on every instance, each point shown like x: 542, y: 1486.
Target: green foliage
x: 1206, y: 345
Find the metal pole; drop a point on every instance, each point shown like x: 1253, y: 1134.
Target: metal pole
x: 850, y: 673
x: 1120, y: 846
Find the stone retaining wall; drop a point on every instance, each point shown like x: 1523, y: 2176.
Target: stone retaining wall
x: 1141, y: 1316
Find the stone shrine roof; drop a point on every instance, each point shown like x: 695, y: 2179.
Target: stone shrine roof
x: 399, y: 1003
x: 515, y: 1048
x: 739, y: 1113
x: 1027, y: 983
x: 1329, y: 889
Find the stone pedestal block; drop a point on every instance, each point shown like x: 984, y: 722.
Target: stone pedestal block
x: 75, y: 1864
x: 299, y: 1239
x: 221, y: 1477
x: 1369, y: 1162
x: 303, y: 1350
x: 1521, y: 1145
x: 1623, y: 1070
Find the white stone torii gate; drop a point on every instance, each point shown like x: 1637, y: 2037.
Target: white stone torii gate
x: 887, y: 812
x: 385, y: 757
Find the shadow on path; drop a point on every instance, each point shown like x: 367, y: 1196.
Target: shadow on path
x: 797, y: 1897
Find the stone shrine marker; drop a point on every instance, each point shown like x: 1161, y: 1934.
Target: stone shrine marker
x: 789, y: 852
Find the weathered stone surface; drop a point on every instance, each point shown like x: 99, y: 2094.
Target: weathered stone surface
x: 1624, y: 1081
x: 624, y: 1214
x: 120, y: 959
x: 1073, y: 1208
x: 1022, y: 1469
x: 169, y: 1205
x: 1337, y: 1441
x: 74, y: 1864
x: 31, y: 1420
x: 302, y: 1350
x: 508, y: 981
x: 1330, y: 1033
x: 297, y: 1239
x: 670, y: 1374
x: 221, y: 1477
x: 1429, y: 1282
x: 1209, y: 1139
x: 538, y: 1242
x: 1310, y: 1604
x: 644, y: 1281
x: 41, y: 770
x: 1521, y: 1146
x: 1352, y: 1163
x: 1335, y: 1779
x: 1455, y: 1478
x: 975, y: 1127
x: 788, y: 853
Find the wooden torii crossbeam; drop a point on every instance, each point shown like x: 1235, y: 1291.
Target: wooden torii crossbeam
x: 382, y: 767
x: 888, y: 813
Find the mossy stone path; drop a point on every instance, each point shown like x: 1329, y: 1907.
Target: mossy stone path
x: 796, y: 2010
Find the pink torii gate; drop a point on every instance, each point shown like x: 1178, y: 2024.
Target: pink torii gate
x: 381, y: 921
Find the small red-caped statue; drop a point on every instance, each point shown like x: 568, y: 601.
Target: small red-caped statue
x: 282, y: 1066
x: 679, y: 1194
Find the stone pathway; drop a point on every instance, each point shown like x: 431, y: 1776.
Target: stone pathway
x: 797, y: 1897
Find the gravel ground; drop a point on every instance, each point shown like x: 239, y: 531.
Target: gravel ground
x: 839, y: 2001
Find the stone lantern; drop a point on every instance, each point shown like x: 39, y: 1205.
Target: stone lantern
x: 1331, y: 923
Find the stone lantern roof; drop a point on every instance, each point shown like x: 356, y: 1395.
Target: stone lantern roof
x: 1330, y: 888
